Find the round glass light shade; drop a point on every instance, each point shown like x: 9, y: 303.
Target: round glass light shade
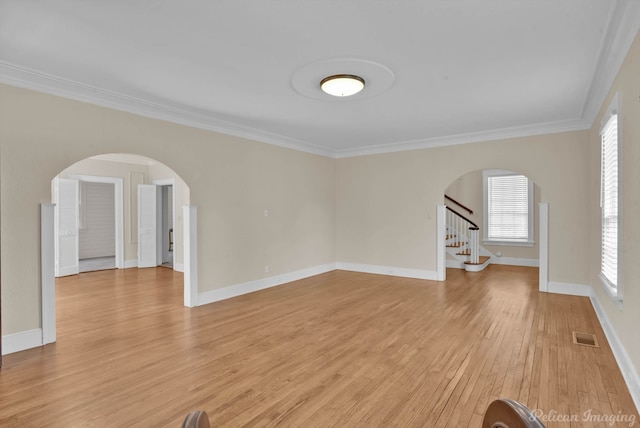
x: 342, y: 85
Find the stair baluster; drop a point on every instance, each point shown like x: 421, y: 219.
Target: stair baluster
x: 464, y: 234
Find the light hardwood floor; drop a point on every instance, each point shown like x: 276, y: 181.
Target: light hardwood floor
x: 341, y: 349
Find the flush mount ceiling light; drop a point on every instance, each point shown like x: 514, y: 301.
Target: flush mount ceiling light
x: 342, y: 85
x: 310, y: 80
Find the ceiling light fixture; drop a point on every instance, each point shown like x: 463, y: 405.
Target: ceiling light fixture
x: 342, y: 85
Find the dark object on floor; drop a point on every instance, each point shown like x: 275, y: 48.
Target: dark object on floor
x: 196, y: 419
x: 507, y: 413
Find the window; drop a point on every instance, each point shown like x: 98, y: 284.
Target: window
x: 508, y: 208
x: 609, y: 189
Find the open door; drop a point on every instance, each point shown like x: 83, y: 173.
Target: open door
x: 149, y: 225
x: 66, y: 193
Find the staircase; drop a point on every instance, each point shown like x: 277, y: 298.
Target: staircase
x: 463, y: 243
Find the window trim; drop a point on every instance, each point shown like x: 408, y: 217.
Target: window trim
x: 530, y: 242
x: 615, y: 291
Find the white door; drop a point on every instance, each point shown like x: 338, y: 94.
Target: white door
x: 66, y: 193
x: 149, y: 225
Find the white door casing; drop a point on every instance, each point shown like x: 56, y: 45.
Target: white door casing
x: 118, y: 184
x: 163, y: 183
x: 149, y: 226
x: 66, y: 193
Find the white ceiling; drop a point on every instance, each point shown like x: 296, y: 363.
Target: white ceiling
x: 462, y: 71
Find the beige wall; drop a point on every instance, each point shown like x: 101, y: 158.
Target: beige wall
x: 625, y: 319
x: 468, y: 190
x: 386, y: 204
x: 231, y: 180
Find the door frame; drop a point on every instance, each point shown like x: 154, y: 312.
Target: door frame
x: 170, y: 182
x: 119, y: 209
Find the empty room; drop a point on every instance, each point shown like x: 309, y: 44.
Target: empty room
x: 313, y: 214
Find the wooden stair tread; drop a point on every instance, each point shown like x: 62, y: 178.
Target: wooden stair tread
x: 482, y: 260
x: 460, y: 244
x: 464, y: 253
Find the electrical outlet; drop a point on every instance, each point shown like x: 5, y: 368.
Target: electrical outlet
x: 266, y: 269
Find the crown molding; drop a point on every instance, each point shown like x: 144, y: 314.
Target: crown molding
x: 472, y: 137
x: 27, y: 78
x: 34, y: 80
x: 622, y: 29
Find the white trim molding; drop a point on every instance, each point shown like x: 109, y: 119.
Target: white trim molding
x: 621, y: 31
x: 569, y: 289
x: 190, y: 254
x: 260, y: 284
x: 629, y: 371
x: 133, y: 263
x: 118, y: 188
x: 47, y: 272
x: 21, y: 341
x: 454, y: 264
x: 543, y: 261
x: 24, y: 77
x: 389, y: 270
x: 514, y: 261
x: 627, y: 368
x: 441, y: 238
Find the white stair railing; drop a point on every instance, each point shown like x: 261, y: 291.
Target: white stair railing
x: 463, y: 232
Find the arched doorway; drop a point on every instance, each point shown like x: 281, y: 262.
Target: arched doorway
x: 139, y: 216
x: 521, y: 241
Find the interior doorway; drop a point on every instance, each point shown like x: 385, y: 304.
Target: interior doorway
x: 97, y: 226
x: 166, y: 218
x: 466, y: 200
x: 173, y: 233
x: 88, y: 222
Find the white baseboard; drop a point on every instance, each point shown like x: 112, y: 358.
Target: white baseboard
x: 454, y: 264
x: 134, y: 264
x: 389, y: 270
x: 260, y: 284
x: 627, y: 368
x: 17, y: 342
x: 495, y: 260
x: 625, y: 364
x: 131, y: 263
x: 570, y: 289
x: 514, y: 261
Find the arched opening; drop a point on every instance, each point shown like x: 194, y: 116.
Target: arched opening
x: 116, y: 211
x: 505, y: 208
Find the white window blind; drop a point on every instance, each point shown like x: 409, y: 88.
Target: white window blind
x: 508, y: 208
x: 609, y: 201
